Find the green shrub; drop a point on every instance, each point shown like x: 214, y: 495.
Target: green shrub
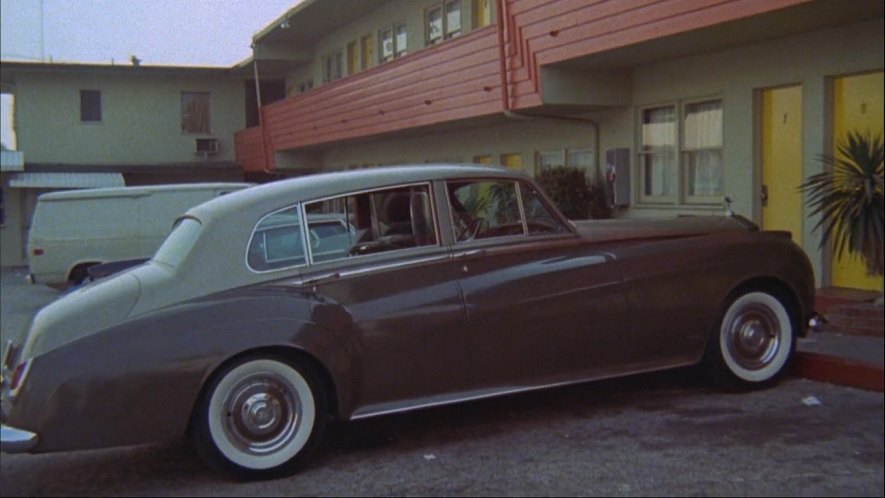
x: 573, y: 194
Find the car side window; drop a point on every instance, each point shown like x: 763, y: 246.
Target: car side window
x: 538, y: 217
x: 484, y: 209
x: 370, y: 222
x: 277, y: 241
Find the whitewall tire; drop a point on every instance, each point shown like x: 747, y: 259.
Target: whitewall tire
x: 754, y: 341
x: 260, y: 417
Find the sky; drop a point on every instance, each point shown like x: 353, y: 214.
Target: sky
x: 158, y: 32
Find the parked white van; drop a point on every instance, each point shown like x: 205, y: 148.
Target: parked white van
x: 74, y: 230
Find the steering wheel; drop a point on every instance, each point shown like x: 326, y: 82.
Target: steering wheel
x: 473, y: 229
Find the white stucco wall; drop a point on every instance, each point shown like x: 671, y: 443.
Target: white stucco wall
x: 141, y: 117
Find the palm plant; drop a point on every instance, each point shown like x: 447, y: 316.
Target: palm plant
x: 849, y: 198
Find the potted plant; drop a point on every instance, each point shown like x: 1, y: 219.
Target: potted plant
x: 848, y: 195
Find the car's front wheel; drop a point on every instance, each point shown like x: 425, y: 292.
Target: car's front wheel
x: 753, y: 342
x: 260, y: 417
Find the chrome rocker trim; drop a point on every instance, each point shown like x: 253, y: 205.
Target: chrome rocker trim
x: 14, y: 440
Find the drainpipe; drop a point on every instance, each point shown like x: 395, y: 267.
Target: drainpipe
x: 264, y: 132
x: 505, y: 91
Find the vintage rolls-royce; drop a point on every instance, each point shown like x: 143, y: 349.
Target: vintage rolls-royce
x: 270, y: 310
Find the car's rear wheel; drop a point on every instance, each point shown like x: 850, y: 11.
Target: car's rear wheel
x: 753, y: 343
x: 260, y: 417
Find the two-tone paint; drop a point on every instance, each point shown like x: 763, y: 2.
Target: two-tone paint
x: 124, y: 360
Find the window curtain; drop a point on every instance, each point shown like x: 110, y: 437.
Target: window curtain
x: 658, y: 146
x: 195, y: 112
x: 703, y: 145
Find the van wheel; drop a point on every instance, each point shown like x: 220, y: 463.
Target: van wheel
x: 260, y: 417
x: 80, y: 273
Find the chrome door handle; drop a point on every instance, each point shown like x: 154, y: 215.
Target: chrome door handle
x: 469, y: 254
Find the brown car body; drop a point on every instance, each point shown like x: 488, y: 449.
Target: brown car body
x: 126, y: 360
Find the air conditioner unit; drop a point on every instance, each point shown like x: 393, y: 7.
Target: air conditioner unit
x: 207, y: 146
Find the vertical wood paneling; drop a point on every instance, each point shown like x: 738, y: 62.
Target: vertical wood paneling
x: 249, y: 144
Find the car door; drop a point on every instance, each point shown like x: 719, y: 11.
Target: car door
x: 389, y: 287
x: 542, y: 305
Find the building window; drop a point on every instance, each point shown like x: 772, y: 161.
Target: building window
x: 333, y: 67
x: 90, y: 106
x: 702, y: 149
x: 658, y: 153
x: 549, y: 159
x: 583, y: 159
x: 443, y: 21
x: 482, y: 13
x: 680, y: 156
x: 305, y: 85
x: 393, y: 42
x: 485, y: 159
x: 195, y: 112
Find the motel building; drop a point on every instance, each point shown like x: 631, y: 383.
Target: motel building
x: 676, y: 104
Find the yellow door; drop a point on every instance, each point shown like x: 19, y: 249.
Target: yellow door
x: 513, y: 161
x: 352, y: 58
x: 857, y: 106
x: 482, y: 13
x: 782, y: 160
x: 367, y: 52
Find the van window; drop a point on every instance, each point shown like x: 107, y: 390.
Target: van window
x: 179, y: 243
x: 277, y: 241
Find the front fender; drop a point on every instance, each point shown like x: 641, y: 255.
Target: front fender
x: 138, y: 381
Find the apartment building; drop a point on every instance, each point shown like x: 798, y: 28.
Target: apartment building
x: 682, y: 103
x: 685, y: 102
x: 98, y: 125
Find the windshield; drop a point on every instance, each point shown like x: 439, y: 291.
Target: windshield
x: 179, y: 243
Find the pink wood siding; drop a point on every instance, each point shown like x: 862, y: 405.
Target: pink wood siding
x: 461, y: 78
x: 539, y: 32
x: 250, y: 149
x: 458, y: 79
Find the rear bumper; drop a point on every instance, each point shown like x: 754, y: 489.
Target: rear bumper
x: 14, y: 440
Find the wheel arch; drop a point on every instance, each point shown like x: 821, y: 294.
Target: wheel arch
x: 288, y: 353
x: 81, y: 266
x: 777, y: 287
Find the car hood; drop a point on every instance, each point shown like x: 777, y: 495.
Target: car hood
x: 657, y: 228
x: 81, y: 313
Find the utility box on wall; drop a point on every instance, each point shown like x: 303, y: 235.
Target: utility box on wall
x: 617, y: 176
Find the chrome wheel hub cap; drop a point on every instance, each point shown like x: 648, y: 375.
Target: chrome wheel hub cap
x: 753, y: 337
x: 261, y: 414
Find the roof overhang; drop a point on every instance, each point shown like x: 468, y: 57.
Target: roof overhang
x: 289, y: 40
x: 12, y: 68
x: 783, y: 22
x: 66, y: 180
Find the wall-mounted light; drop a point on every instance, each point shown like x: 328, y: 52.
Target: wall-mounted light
x: 284, y: 24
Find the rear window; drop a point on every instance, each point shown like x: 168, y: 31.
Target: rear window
x: 179, y: 243
x: 277, y: 241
